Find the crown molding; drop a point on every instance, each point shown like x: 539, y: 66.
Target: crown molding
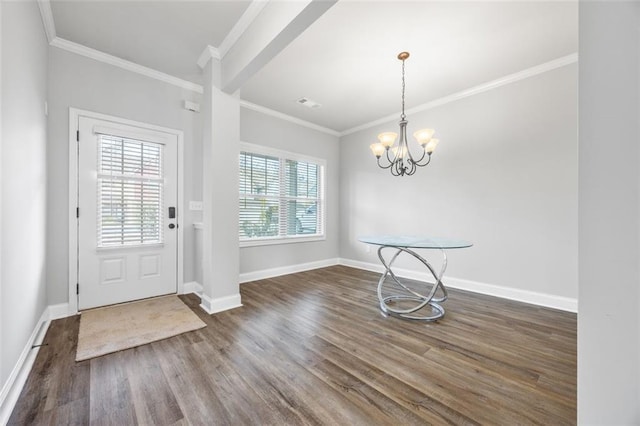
x: 508, y: 79
x: 47, y: 19
x: 241, y: 26
x: 234, y: 35
x: 207, y: 54
x: 124, y: 64
x: 55, y: 41
x: 286, y: 117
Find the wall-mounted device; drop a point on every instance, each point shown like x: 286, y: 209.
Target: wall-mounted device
x: 192, y: 106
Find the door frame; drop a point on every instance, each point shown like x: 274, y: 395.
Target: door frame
x: 74, y: 118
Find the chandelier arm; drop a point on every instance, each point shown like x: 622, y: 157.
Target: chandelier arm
x: 409, y: 156
x: 413, y: 168
x: 408, y: 170
x: 424, y: 153
x: 394, y: 170
x: 418, y: 163
x: 389, y: 159
x: 398, y: 161
x: 384, y: 167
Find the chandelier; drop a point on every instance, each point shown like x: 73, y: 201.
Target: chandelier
x: 401, y: 162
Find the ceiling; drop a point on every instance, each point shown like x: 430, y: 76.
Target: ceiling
x: 346, y: 60
x: 167, y: 36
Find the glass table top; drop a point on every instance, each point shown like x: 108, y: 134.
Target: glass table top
x: 415, y: 242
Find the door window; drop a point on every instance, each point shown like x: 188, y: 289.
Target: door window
x: 130, y: 188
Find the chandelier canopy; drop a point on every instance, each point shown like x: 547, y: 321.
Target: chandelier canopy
x: 401, y: 161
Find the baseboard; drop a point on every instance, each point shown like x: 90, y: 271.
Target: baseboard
x: 212, y: 306
x: 18, y: 377
x: 61, y: 310
x: 284, y: 270
x: 541, y: 299
x: 192, y: 287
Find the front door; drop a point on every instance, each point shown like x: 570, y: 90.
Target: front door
x: 127, y: 219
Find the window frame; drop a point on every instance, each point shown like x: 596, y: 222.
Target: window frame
x: 287, y: 155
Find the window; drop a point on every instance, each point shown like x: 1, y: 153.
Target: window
x: 281, y: 196
x: 130, y: 184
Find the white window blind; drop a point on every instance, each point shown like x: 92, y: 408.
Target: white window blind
x: 130, y: 189
x: 279, y: 197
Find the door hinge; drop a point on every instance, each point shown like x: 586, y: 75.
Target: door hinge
x: 77, y: 288
x: 77, y: 212
x: 77, y: 135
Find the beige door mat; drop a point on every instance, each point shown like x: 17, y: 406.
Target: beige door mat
x: 118, y: 327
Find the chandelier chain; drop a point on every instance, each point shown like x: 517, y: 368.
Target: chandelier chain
x: 402, y: 116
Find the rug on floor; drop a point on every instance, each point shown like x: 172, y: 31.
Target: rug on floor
x: 118, y: 327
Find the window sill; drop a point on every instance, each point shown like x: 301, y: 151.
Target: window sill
x: 281, y: 240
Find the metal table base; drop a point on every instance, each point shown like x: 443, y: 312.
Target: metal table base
x: 421, y: 302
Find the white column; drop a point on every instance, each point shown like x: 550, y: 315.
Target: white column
x: 221, y: 141
x: 609, y: 214
x: 277, y: 24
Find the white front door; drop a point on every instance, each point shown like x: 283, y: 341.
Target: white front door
x: 127, y: 218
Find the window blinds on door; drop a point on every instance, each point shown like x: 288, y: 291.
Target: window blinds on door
x: 130, y: 192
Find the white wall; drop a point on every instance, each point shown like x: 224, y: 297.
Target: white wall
x: 2, y: 380
x: 609, y: 215
x: 24, y: 178
x: 503, y: 177
x: 79, y: 82
x: 261, y: 129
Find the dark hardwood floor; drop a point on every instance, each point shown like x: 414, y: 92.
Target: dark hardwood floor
x: 313, y: 348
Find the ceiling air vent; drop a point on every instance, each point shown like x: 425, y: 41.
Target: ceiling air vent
x: 308, y: 103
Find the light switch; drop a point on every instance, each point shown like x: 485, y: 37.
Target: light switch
x: 195, y: 205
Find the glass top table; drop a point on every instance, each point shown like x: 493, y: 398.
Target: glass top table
x: 412, y: 300
x: 415, y: 242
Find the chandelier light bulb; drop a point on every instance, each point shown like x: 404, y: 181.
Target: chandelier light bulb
x: 424, y: 136
x: 431, y: 146
x: 387, y: 138
x: 377, y: 149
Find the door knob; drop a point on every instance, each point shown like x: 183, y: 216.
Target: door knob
x: 171, y: 226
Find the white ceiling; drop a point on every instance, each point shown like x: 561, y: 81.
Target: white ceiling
x: 167, y: 36
x: 346, y: 60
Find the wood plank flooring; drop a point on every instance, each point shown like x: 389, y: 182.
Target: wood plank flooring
x: 313, y: 348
